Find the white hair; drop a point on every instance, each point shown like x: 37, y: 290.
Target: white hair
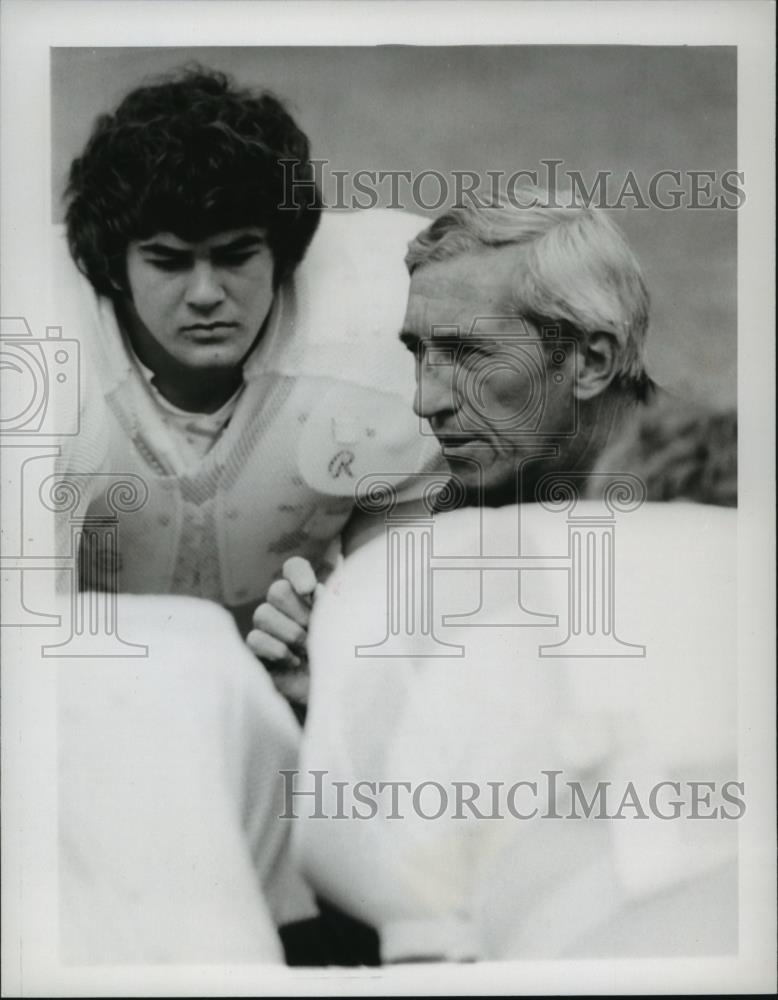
x: 573, y: 264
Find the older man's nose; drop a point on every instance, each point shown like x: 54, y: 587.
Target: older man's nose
x: 433, y: 391
x: 205, y: 290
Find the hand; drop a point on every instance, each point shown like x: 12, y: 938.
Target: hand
x: 280, y: 632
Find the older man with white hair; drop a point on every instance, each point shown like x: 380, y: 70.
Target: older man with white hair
x: 528, y: 323
x: 443, y: 771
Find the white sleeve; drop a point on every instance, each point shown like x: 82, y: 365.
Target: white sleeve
x: 171, y: 848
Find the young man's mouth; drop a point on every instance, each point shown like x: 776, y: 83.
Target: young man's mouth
x: 209, y: 331
x: 209, y: 327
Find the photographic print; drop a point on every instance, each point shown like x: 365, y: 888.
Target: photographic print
x: 387, y: 519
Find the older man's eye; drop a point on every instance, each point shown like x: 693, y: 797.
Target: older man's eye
x: 472, y: 352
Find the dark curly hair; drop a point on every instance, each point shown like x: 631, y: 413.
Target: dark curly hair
x: 191, y: 154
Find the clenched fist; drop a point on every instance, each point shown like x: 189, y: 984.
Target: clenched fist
x: 280, y: 630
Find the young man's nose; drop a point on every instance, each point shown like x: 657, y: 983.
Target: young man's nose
x: 205, y: 289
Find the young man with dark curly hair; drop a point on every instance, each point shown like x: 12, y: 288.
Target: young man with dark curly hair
x: 242, y: 361
x: 244, y: 342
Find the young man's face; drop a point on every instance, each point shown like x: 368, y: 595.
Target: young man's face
x: 482, y: 379
x: 200, y: 304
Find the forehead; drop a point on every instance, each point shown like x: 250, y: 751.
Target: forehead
x: 212, y: 242
x: 454, y: 292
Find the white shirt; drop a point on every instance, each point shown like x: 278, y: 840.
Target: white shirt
x: 187, y: 437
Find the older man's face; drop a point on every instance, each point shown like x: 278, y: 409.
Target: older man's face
x: 490, y: 392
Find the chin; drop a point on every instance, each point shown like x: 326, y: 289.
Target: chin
x: 214, y: 359
x: 473, y: 473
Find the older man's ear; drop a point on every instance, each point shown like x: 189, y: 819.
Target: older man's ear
x: 596, y: 360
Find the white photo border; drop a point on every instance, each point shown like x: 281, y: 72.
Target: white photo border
x: 30, y: 28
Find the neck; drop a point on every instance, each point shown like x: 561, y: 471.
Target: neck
x: 602, y: 420
x: 204, y: 391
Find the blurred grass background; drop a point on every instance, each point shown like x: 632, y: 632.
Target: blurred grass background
x: 501, y: 108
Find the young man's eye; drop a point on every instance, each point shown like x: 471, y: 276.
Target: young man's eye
x: 167, y: 263
x: 234, y: 259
